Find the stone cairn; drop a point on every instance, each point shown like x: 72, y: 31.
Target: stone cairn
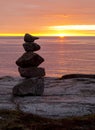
x: 28, y: 63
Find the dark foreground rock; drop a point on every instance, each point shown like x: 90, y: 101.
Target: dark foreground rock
x: 70, y: 76
x: 32, y: 86
x: 17, y: 120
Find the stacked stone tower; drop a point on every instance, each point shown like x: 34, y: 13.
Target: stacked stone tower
x: 28, y: 68
x: 28, y: 63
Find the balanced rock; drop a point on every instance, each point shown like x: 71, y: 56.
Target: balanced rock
x: 30, y: 38
x: 28, y: 67
x: 31, y: 46
x: 32, y: 86
x: 31, y: 72
x: 29, y: 59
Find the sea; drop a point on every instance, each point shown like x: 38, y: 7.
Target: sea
x: 63, y: 55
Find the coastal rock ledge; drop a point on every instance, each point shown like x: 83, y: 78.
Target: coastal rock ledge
x: 70, y: 95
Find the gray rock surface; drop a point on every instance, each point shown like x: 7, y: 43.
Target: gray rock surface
x: 29, y: 59
x: 31, y: 72
x: 32, y: 86
x: 61, y: 98
x: 31, y: 46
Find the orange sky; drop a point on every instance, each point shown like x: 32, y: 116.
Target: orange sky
x: 40, y: 17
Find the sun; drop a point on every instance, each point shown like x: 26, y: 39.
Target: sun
x: 61, y: 35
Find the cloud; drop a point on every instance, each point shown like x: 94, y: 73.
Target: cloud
x: 73, y: 27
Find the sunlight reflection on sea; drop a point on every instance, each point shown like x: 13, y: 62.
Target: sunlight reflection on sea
x: 62, y: 55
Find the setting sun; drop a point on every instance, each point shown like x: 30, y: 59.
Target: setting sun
x: 61, y: 35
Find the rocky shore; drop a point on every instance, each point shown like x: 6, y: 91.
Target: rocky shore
x: 70, y: 95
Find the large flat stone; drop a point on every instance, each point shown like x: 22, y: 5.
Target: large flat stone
x: 61, y: 98
x: 31, y: 72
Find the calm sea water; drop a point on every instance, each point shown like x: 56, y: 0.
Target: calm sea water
x: 62, y: 55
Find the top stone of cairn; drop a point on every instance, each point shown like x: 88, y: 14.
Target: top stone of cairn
x: 30, y: 38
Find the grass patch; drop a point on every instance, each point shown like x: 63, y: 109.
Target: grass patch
x: 17, y: 120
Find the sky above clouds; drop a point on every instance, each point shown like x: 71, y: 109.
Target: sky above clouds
x: 35, y: 16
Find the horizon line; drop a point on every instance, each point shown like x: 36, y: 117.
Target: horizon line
x: 45, y: 35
